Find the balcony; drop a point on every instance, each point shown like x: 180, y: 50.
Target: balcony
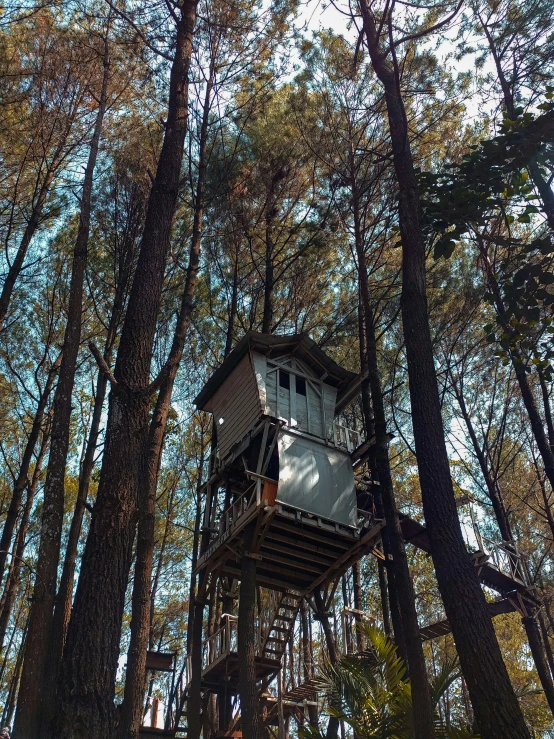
x: 220, y: 657
x: 346, y: 438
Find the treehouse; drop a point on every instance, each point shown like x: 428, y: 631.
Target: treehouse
x: 282, y: 491
x: 283, y: 465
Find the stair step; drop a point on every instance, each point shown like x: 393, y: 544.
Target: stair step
x: 284, y: 618
x: 276, y: 639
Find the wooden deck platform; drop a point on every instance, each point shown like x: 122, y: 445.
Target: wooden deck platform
x: 293, y: 549
x: 294, y: 702
x: 160, y: 661
x: 224, y: 672
x: 441, y: 628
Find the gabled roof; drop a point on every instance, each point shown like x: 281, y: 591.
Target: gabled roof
x: 303, y: 347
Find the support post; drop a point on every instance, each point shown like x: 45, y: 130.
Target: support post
x: 248, y: 690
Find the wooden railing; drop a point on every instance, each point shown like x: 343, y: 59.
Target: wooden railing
x: 351, y: 619
x: 221, y: 643
x: 505, y: 557
x: 346, y: 438
x: 244, y: 502
x: 225, y: 641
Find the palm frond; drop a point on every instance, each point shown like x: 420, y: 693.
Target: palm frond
x: 373, y: 695
x: 440, y: 683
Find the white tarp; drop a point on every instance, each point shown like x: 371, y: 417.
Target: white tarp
x: 316, y: 478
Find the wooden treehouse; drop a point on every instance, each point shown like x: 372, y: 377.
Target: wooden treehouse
x: 282, y: 490
x: 284, y: 465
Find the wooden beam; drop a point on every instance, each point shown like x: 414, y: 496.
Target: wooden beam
x: 300, y: 553
x: 367, y: 541
x: 270, y: 558
x: 301, y: 544
x: 273, y: 582
x: 339, y: 543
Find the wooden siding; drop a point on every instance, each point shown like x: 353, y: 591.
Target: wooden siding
x: 237, y: 401
x: 300, y: 411
x: 283, y: 408
x: 314, y: 409
x: 330, y: 401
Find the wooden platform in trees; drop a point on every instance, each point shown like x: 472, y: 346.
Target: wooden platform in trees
x: 509, y: 583
x: 294, y: 703
x: 441, y: 628
x: 160, y: 661
x: 294, y: 549
x: 224, y: 673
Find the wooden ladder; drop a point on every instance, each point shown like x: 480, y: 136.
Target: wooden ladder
x: 281, y: 625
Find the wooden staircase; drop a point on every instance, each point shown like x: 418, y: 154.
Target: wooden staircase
x: 281, y: 625
x: 295, y: 702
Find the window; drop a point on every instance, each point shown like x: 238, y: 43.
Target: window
x: 284, y: 380
x: 300, y: 386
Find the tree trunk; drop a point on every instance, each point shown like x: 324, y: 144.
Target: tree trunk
x: 495, y: 497
x: 233, y: 306
x: 196, y: 606
x: 194, y: 701
x: 546, y: 641
x: 334, y: 656
x: 269, y: 282
x: 497, y: 711
x: 29, y: 719
x: 246, y: 630
x: 64, y: 598
x: 382, y: 572
x: 22, y: 481
x: 357, y: 594
x: 148, y: 481
x: 224, y: 697
x: 30, y: 230
x: 307, y: 657
x: 42, y: 190
x: 14, y: 577
x: 537, y: 426
x: 423, y: 717
x: 535, y: 643
x: 11, y: 702
x: 392, y: 600
x: 545, y: 192
x: 502, y: 519
x: 195, y: 542
x: 547, y: 409
x: 543, y: 187
x: 545, y: 450
x: 92, y: 649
